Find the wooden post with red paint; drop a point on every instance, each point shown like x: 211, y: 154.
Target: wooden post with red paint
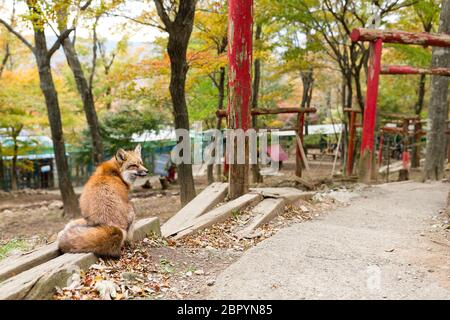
x: 370, y: 112
x: 351, y: 139
x: 299, y: 136
x: 240, y: 27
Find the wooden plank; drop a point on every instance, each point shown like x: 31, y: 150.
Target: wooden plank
x: 39, y: 282
x: 289, y: 194
x: 146, y: 227
x: 219, y: 214
x: 263, y: 212
x: 17, y: 264
x: 392, y: 69
x: 395, y: 36
x: 206, y: 200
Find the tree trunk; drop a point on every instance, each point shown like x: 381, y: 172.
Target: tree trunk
x: 2, y: 166
x: 179, y: 33
x: 5, y: 59
x: 87, y: 98
x: 14, y: 134
x: 47, y: 85
x: 219, y: 120
x: 256, y: 173
x: 221, y: 96
x: 438, y: 109
x: 415, y: 158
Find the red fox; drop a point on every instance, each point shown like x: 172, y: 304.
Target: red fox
x: 108, y: 215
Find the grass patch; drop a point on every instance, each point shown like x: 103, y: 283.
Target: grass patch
x: 11, y: 245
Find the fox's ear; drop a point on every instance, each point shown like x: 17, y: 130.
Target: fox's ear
x: 138, y: 149
x: 121, y: 155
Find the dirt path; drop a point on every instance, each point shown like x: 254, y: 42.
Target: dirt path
x: 389, y: 243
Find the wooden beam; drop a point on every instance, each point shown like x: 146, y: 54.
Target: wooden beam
x: 414, y: 70
x: 219, y: 214
x: 206, y: 200
x: 14, y: 265
x: 39, y: 282
x: 394, y: 36
x: 264, y: 111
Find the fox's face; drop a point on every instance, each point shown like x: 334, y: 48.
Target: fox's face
x: 130, y: 163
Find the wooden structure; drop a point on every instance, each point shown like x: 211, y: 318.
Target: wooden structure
x: 240, y: 46
x: 34, y: 275
x: 376, y: 39
x: 299, y: 129
x: 351, y: 139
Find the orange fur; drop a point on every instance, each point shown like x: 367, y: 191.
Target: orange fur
x: 106, y: 210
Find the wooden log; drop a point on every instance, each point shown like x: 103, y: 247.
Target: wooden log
x: 14, y: 265
x: 414, y: 70
x: 206, y: 200
x: 219, y: 214
x: 39, y: 282
x: 394, y: 36
x: 146, y: 227
x: 399, y: 116
x: 264, y: 111
x: 289, y: 194
x: 263, y: 212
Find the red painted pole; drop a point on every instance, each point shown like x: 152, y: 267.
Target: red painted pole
x: 414, y: 70
x: 240, y: 27
x: 351, y: 143
x: 298, y: 155
x: 394, y: 36
x: 370, y: 111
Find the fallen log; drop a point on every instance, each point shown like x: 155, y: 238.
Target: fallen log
x: 263, y: 212
x: 39, y: 282
x: 206, y: 200
x: 14, y: 265
x: 218, y: 214
x: 289, y: 194
x: 34, y: 275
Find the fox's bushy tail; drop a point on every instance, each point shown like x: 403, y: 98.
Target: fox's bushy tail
x: 102, y: 240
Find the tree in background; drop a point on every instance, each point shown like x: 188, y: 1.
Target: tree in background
x: 38, y: 19
x: 63, y: 9
x: 438, y: 110
x: 19, y: 109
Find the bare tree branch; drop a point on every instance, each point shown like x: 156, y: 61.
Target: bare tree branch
x: 59, y: 41
x: 163, y: 14
x: 86, y: 5
x: 94, y: 52
x: 5, y: 59
x: 146, y: 23
x: 17, y: 34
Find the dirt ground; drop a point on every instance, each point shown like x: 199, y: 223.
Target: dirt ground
x: 28, y: 214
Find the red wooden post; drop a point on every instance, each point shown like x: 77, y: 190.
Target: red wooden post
x: 240, y: 25
x: 370, y: 111
x: 351, y: 143
x: 298, y: 155
x: 394, y: 36
x: 414, y: 70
